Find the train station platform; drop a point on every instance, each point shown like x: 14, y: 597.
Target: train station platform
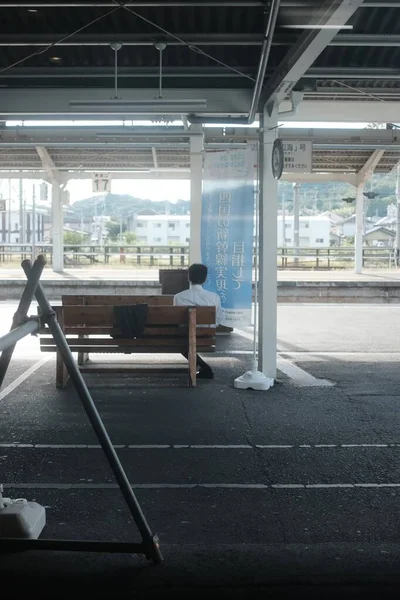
x: 292, y: 489
x: 376, y: 286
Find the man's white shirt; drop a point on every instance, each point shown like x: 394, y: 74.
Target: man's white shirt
x: 197, y: 296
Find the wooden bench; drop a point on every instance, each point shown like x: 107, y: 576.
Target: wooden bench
x: 169, y: 330
x: 164, y: 300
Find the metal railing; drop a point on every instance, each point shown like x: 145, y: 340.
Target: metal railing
x: 90, y: 254
x: 178, y: 256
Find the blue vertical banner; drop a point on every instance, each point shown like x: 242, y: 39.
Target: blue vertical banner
x: 227, y: 229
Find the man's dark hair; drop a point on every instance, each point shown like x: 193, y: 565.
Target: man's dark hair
x: 197, y: 274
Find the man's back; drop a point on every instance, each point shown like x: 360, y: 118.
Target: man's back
x: 197, y: 296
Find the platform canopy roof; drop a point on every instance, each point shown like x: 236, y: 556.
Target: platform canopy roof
x: 164, y: 151
x: 195, y: 60
x: 328, y: 49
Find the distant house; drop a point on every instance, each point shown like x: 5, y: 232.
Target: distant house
x: 314, y: 231
x: 379, y: 236
x: 146, y: 212
x: 347, y: 227
x: 333, y: 217
x: 389, y: 222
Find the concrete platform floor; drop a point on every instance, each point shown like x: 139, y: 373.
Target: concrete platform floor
x: 292, y: 490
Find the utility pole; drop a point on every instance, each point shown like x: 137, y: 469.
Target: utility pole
x: 296, y: 220
x: 398, y: 216
x: 9, y: 210
x: 283, y: 220
x: 21, y: 213
x: 33, y: 223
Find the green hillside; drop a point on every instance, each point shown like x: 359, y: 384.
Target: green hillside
x: 314, y: 198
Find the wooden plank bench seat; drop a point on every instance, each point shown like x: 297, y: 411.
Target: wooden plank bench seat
x: 169, y: 329
x: 164, y: 300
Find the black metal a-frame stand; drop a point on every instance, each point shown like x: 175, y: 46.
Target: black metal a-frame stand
x: 23, y: 326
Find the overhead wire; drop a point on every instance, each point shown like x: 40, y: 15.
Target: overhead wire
x: 63, y: 39
x: 360, y: 91
x: 191, y: 47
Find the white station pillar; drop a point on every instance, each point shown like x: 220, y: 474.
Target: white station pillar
x: 57, y: 222
x: 267, y: 336
x: 362, y: 176
x: 196, y: 186
x: 359, y: 232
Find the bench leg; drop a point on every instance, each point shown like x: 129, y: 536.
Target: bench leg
x: 83, y: 357
x: 61, y: 372
x: 192, y: 348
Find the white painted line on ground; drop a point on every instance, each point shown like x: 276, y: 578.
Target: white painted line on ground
x: 147, y: 446
x: 245, y: 334
x: 220, y: 446
x: 339, y: 353
x: 298, y: 375
x: 273, y: 446
x: 196, y: 446
x: 190, y: 486
x: 17, y: 382
x: 235, y: 352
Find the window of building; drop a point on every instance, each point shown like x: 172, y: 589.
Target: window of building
x: 16, y: 226
x: 319, y: 241
x: 187, y: 224
x: 141, y: 224
x: 158, y: 239
x: 288, y: 240
x: 187, y: 240
x: 157, y: 225
x: 288, y: 225
x: 305, y: 224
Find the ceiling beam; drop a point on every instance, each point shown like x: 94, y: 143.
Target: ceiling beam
x: 352, y: 111
x: 48, y: 163
x: 55, y: 102
x: 307, y: 49
x: 205, y: 39
x: 155, y: 159
x: 182, y: 74
x: 187, y: 4
x: 370, y: 166
x: 143, y: 4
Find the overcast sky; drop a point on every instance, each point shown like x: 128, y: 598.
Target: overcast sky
x: 140, y: 188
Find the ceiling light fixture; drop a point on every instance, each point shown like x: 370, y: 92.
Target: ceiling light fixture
x: 55, y: 59
x: 156, y: 105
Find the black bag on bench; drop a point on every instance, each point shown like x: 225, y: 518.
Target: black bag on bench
x: 130, y: 321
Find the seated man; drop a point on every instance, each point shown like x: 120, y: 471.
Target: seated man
x: 196, y: 296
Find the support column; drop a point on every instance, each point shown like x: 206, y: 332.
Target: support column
x: 196, y: 184
x: 359, y: 232
x: 267, y: 334
x: 21, y: 212
x: 296, y: 221
x: 397, y: 243
x: 57, y: 220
